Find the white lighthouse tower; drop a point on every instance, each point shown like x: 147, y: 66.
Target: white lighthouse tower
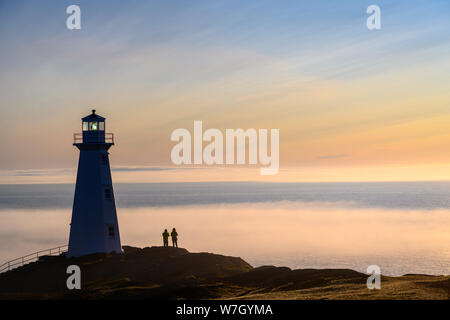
x: 94, y: 226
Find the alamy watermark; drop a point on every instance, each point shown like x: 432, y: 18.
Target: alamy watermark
x: 374, y: 20
x: 74, y: 280
x: 235, y: 140
x: 74, y: 20
x: 374, y: 280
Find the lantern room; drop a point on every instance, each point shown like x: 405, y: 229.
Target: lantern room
x: 93, y: 127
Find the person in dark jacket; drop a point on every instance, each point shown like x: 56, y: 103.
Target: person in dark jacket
x: 165, y: 238
x: 174, y: 236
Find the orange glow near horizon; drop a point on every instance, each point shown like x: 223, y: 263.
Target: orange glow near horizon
x: 329, y: 131
x: 438, y: 172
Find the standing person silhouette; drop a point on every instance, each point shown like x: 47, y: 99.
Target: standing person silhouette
x: 174, y: 235
x: 165, y: 238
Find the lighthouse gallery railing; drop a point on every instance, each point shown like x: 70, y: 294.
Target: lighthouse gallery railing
x: 18, y: 262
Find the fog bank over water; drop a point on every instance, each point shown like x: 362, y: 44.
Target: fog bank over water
x: 294, y: 234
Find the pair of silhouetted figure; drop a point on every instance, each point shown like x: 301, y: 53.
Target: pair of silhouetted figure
x: 174, y: 236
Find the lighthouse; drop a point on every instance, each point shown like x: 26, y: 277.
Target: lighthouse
x: 94, y: 227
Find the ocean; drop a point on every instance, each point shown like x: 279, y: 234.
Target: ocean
x: 404, y: 227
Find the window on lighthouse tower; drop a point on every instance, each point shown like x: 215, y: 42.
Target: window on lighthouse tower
x: 93, y: 126
x: 108, y: 193
x: 111, y: 232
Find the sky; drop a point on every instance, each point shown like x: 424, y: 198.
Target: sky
x: 351, y: 104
